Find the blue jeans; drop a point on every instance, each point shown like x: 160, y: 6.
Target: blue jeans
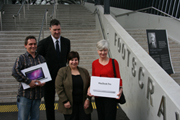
x: 28, y: 108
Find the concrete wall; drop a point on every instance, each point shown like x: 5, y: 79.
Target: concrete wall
x: 151, y: 94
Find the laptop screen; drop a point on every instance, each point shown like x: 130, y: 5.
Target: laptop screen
x: 36, y: 74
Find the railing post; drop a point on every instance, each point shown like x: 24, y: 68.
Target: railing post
x: 43, y: 33
x: 55, y: 11
x: 14, y: 17
x: 177, y: 9
x: 106, y: 6
x: 24, y: 11
x: 46, y: 18
x: 28, y: 6
x: 19, y: 18
x: 1, y: 20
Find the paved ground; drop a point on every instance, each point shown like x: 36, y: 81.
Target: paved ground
x: 9, y: 112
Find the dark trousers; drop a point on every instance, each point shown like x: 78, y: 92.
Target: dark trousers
x: 78, y: 113
x: 49, y: 98
x: 106, y: 108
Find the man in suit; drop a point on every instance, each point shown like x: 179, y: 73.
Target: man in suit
x: 54, y: 49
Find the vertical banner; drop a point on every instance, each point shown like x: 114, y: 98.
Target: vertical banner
x: 159, y: 49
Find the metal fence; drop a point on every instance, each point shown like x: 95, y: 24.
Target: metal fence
x: 171, y: 7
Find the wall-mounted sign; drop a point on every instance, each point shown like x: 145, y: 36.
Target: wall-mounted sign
x: 159, y: 49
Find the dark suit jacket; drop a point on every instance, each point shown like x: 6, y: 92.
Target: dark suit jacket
x: 64, y: 88
x: 47, y: 50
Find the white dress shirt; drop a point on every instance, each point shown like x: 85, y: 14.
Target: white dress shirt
x: 54, y: 41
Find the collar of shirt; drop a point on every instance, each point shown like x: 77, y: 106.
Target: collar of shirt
x: 30, y: 54
x: 54, y: 41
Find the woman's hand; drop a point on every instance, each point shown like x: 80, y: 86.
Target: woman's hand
x: 119, y: 94
x: 86, y: 103
x: 67, y: 105
x: 88, y: 92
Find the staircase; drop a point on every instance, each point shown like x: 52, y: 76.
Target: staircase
x: 141, y: 37
x: 77, y: 23
x: 73, y: 16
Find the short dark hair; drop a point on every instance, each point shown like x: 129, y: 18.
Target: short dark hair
x: 29, y: 37
x: 71, y: 55
x: 54, y: 22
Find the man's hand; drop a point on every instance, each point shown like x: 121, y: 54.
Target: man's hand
x: 33, y: 83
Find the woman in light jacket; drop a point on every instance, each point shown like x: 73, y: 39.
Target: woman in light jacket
x: 71, y: 84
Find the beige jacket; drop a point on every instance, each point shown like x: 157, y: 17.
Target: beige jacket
x: 64, y: 88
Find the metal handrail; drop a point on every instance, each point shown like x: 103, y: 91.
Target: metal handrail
x: 1, y: 20
x: 42, y: 30
x: 1, y: 12
x: 18, y: 13
x: 102, y: 29
x: 147, y: 9
x: 53, y: 15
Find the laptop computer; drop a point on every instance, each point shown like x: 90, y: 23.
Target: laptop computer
x: 36, y: 74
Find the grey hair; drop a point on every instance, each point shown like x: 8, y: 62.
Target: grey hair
x: 102, y: 44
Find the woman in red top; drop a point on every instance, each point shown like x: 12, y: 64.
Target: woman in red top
x: 102, y: 67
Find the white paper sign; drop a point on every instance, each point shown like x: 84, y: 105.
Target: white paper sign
x: 104, y: 86
x: 39, y: 72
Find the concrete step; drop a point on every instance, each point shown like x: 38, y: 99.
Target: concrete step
x: 8, y: 92
x: 80, y: 34
x: 22, y: 47
x: 83, y: 57
x: 23, y: 50
x: 74, y: 40
x: 10, y: 80
x: 8, y: 98
x: 17, y: 54
x: 33, y: 28
x: 48, y: 32
x: 5, y: 69
x: 6, y: 64
x: 12, y: 86
x: 5, y: 74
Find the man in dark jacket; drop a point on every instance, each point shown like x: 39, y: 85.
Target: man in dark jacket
x: 55, y: 49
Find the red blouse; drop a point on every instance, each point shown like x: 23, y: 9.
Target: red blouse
x: 105, y: 70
